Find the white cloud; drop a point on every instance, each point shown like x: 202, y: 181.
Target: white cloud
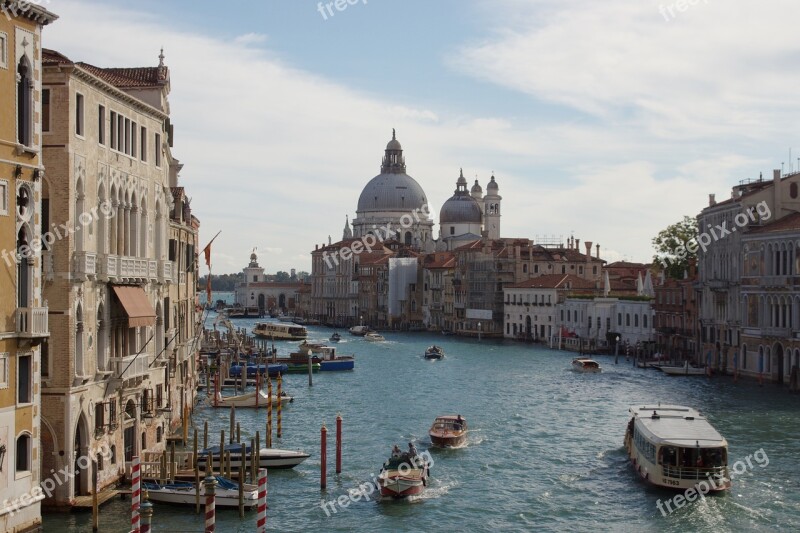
x: 275, y: 156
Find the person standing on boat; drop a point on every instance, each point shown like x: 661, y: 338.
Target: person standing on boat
x: 396, y: 452
x: 412, y: 450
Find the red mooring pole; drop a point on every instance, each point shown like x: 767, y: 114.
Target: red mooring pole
x: 323, y: 482
x: 338, y: 444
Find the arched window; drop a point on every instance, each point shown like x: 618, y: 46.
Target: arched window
x: 619, y: 319
x: 79, y: 341
x: 627, y: 319
x: 102, y: 334
x: 24, y: 453
x: 636, y: 321
x: 144, y: 441
x: 24, y: 102
x: 408, y: 238
x: 159, y: 432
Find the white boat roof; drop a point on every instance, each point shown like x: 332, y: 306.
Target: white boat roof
x: 676, y: 425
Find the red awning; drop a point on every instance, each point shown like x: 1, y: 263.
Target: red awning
x: 138, y: 308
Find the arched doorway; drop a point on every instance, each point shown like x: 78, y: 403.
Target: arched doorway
x: 528, y: 326
x: 262, y: 303
x: 282, y: 301
x: 81, y: 449
x: 777, y: 350
x: 48, y: 456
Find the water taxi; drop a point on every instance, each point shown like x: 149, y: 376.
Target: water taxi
x: 280, y: 331
x: 374, y: 337
x: 403, y: 475
x: 359, y: 331
x: 586, y: 366
x: 676, y: 447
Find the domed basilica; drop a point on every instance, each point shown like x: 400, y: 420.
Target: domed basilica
x: 394, y: 201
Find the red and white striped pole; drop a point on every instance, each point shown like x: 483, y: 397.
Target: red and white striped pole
x: 261, y: 523
x: 211, y: 500
x: 136, y: 488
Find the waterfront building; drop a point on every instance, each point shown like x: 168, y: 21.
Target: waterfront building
x: 24, y: 325
x: 107, y: 384
x: 268, y: 296
x: 597, y: 321
x: 181, y: 319
x: 437, y: 306
x: 723, y: 310
x: 530, y: 307
x: 771, y: 302
x: 675, y: 315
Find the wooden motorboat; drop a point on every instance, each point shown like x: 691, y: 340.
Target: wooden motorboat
x: 183, y: 492
x: 448, y: 431
x: 434, y: 352
x: 335, y: 337
x: 268, y: 457
x: 374, y: 337
x: 586, y: 366
x: 359, y: 331
x: 403, y: 475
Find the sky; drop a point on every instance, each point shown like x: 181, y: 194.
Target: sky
x: 606, y: 120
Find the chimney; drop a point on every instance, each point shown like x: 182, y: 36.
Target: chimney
x: 597, y: 246
x: 776, y: 193
x: 588, y: 245
x: 578, y: 245
x: 316, y: 247
x: 711, y: 200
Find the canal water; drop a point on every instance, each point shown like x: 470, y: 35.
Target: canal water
x: 545, y: 449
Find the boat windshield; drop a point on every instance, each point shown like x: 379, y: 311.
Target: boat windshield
x: 692, y: 462
x: 448, y: 424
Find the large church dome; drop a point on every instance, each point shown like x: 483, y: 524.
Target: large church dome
x: 392, y: 189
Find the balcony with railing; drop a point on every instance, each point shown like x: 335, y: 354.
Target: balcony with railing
x: 165, y: 271
x: 117, y: 268
x: 32, y: 323
x: 85, y: 265
x: 131, y: 366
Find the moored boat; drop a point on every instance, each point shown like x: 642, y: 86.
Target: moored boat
x: 587, y: 366
x: 253, y: 369
x: 183, y: 492
x: 448, y: 431
x: 280, y: 331
x: 268, y: 457
x: 434, y: 352
x: 676, y: 447
x: 685, y: 370
x: 249, y: 399
x: 374, y: 337
x: 403, y: 475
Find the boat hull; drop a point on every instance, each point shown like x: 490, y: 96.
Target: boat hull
x: 223, y: 497
x: 448, y: 439
x: 337, y: 365
x: 270, y: 458
x: 249, y: 400
x: 682, y: 371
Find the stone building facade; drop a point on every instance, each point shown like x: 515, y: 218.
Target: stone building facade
x: 108, y: 383
x: 24, y: 319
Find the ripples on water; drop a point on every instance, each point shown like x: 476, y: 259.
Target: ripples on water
x: 544, y: 451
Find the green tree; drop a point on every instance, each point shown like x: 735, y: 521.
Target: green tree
x: 282, y: 276
x: 675, y: 246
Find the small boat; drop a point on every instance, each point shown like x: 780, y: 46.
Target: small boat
x: 335, y: 337
x: 305, y: 346
x: 448, y: 431
x: 403, y: 476
x: 685, y: 370
x: 330, y: 361
x: 183, y: 492
x: 359, y: 331
x: 586, y: 366
x: 280, y: 331
x: 374, y: 337
x: 253, y: 369
x: 268, y: 457
x: 434, y: 352
x: 446, y: 332
x: 248, y: 399
x: 676, y: 447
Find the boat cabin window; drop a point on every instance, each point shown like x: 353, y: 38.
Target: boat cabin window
x: 693, y: 457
